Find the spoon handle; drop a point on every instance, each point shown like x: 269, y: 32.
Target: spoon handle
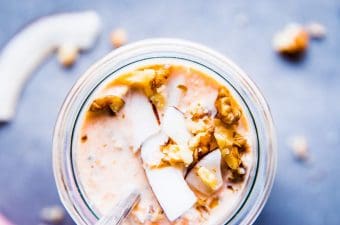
x: 121, y: 210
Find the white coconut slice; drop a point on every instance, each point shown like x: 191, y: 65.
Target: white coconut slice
x: 212, y: 162
x: 173, y: 91
x: 150, y: 151
x: 26, y: 51
x: 167, y: 183
x: 171, y: 190
x: 208, y: 101
x: 143, y: 122
x: 174, y: 125
x: 117, y: 90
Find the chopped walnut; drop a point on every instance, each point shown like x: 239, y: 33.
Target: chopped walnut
x: 205, y: 205
x: 177, y: 154
x: 226, y: 111
x: 200, y: 144
x: 240, y: 141
x: 223, y: 136
x: 118, y: 37
x: 150, y: 81
x: 208, y: 178
x: 299, y: 146
x: 110, y: 102
x: 292, y: 39
x: 67, y: 55
x: 232, y: 157
x: 196, y: 111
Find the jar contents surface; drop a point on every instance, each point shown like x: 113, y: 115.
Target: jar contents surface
x: 175, y: 133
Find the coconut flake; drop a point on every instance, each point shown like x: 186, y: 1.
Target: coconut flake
x: 212, y: 162
x: 174, y: 125
x: 143, y: 122
x: 151, y: 153
x: 4, y: 220
x: 167, y: 183
x: 22, y: 55
x: 208, y: 101
x: 173, y: 92
x: 171, y: 190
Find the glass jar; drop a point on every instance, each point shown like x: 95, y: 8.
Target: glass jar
x: 262, y: 172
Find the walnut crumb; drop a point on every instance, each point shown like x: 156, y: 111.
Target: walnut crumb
x: 67, y: 55
x: 118, y: 37
x: 299, y: 147
x: 84, y: 138
x: 316, y: 30
x: 293, y: 39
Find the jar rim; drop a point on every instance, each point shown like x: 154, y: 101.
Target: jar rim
x: 62, y: 139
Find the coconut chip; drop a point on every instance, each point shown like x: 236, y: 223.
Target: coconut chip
x: 52, y: 214
x: 316, y: 30
x: 68, y: 33
x: 299, y: 147
x: 4, y: 220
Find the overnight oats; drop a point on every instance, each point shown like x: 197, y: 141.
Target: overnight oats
x: 176, y: 132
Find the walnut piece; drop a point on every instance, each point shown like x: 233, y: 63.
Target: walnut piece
x: 293, y: 39
x: 67, y: 55
x: 109, y: 102
x: 150, y: 81
x: 118, y: 37
x: 208, y: 178
x: 226, y: 111
x: 177, y: 154
x: 299, y: 146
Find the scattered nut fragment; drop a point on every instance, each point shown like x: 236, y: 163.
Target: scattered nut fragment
x: 223, y: 136
x: 316, y: 30
x: 226, y: 111
x: 176, y: 154
x: 232, y: 157
x: 150, y: 81
x: 299, y: 146
x: 52, y: 214
x: 118, y: 37
x: 110, y: 102
x: 208, y: 178
x: 293, y: 39
x: 67, y: 55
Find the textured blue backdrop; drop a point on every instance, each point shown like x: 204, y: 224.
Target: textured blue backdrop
x: 304, y: 97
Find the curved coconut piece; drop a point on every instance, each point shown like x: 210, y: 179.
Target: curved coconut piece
x: 23, y: 54
x: 212, y: 162
x: 208, y: 101
x: 173, y: 92
x: 167, y: 183
x: 150, y: 151
x: 139, y: 113
x: 174, y: 125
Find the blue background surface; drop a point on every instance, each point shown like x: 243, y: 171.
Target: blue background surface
x: 304, y: 96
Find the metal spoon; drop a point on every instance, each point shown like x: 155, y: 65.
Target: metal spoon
x: 121, y: 210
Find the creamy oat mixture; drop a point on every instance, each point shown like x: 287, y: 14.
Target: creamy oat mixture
x: 176, y: 134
